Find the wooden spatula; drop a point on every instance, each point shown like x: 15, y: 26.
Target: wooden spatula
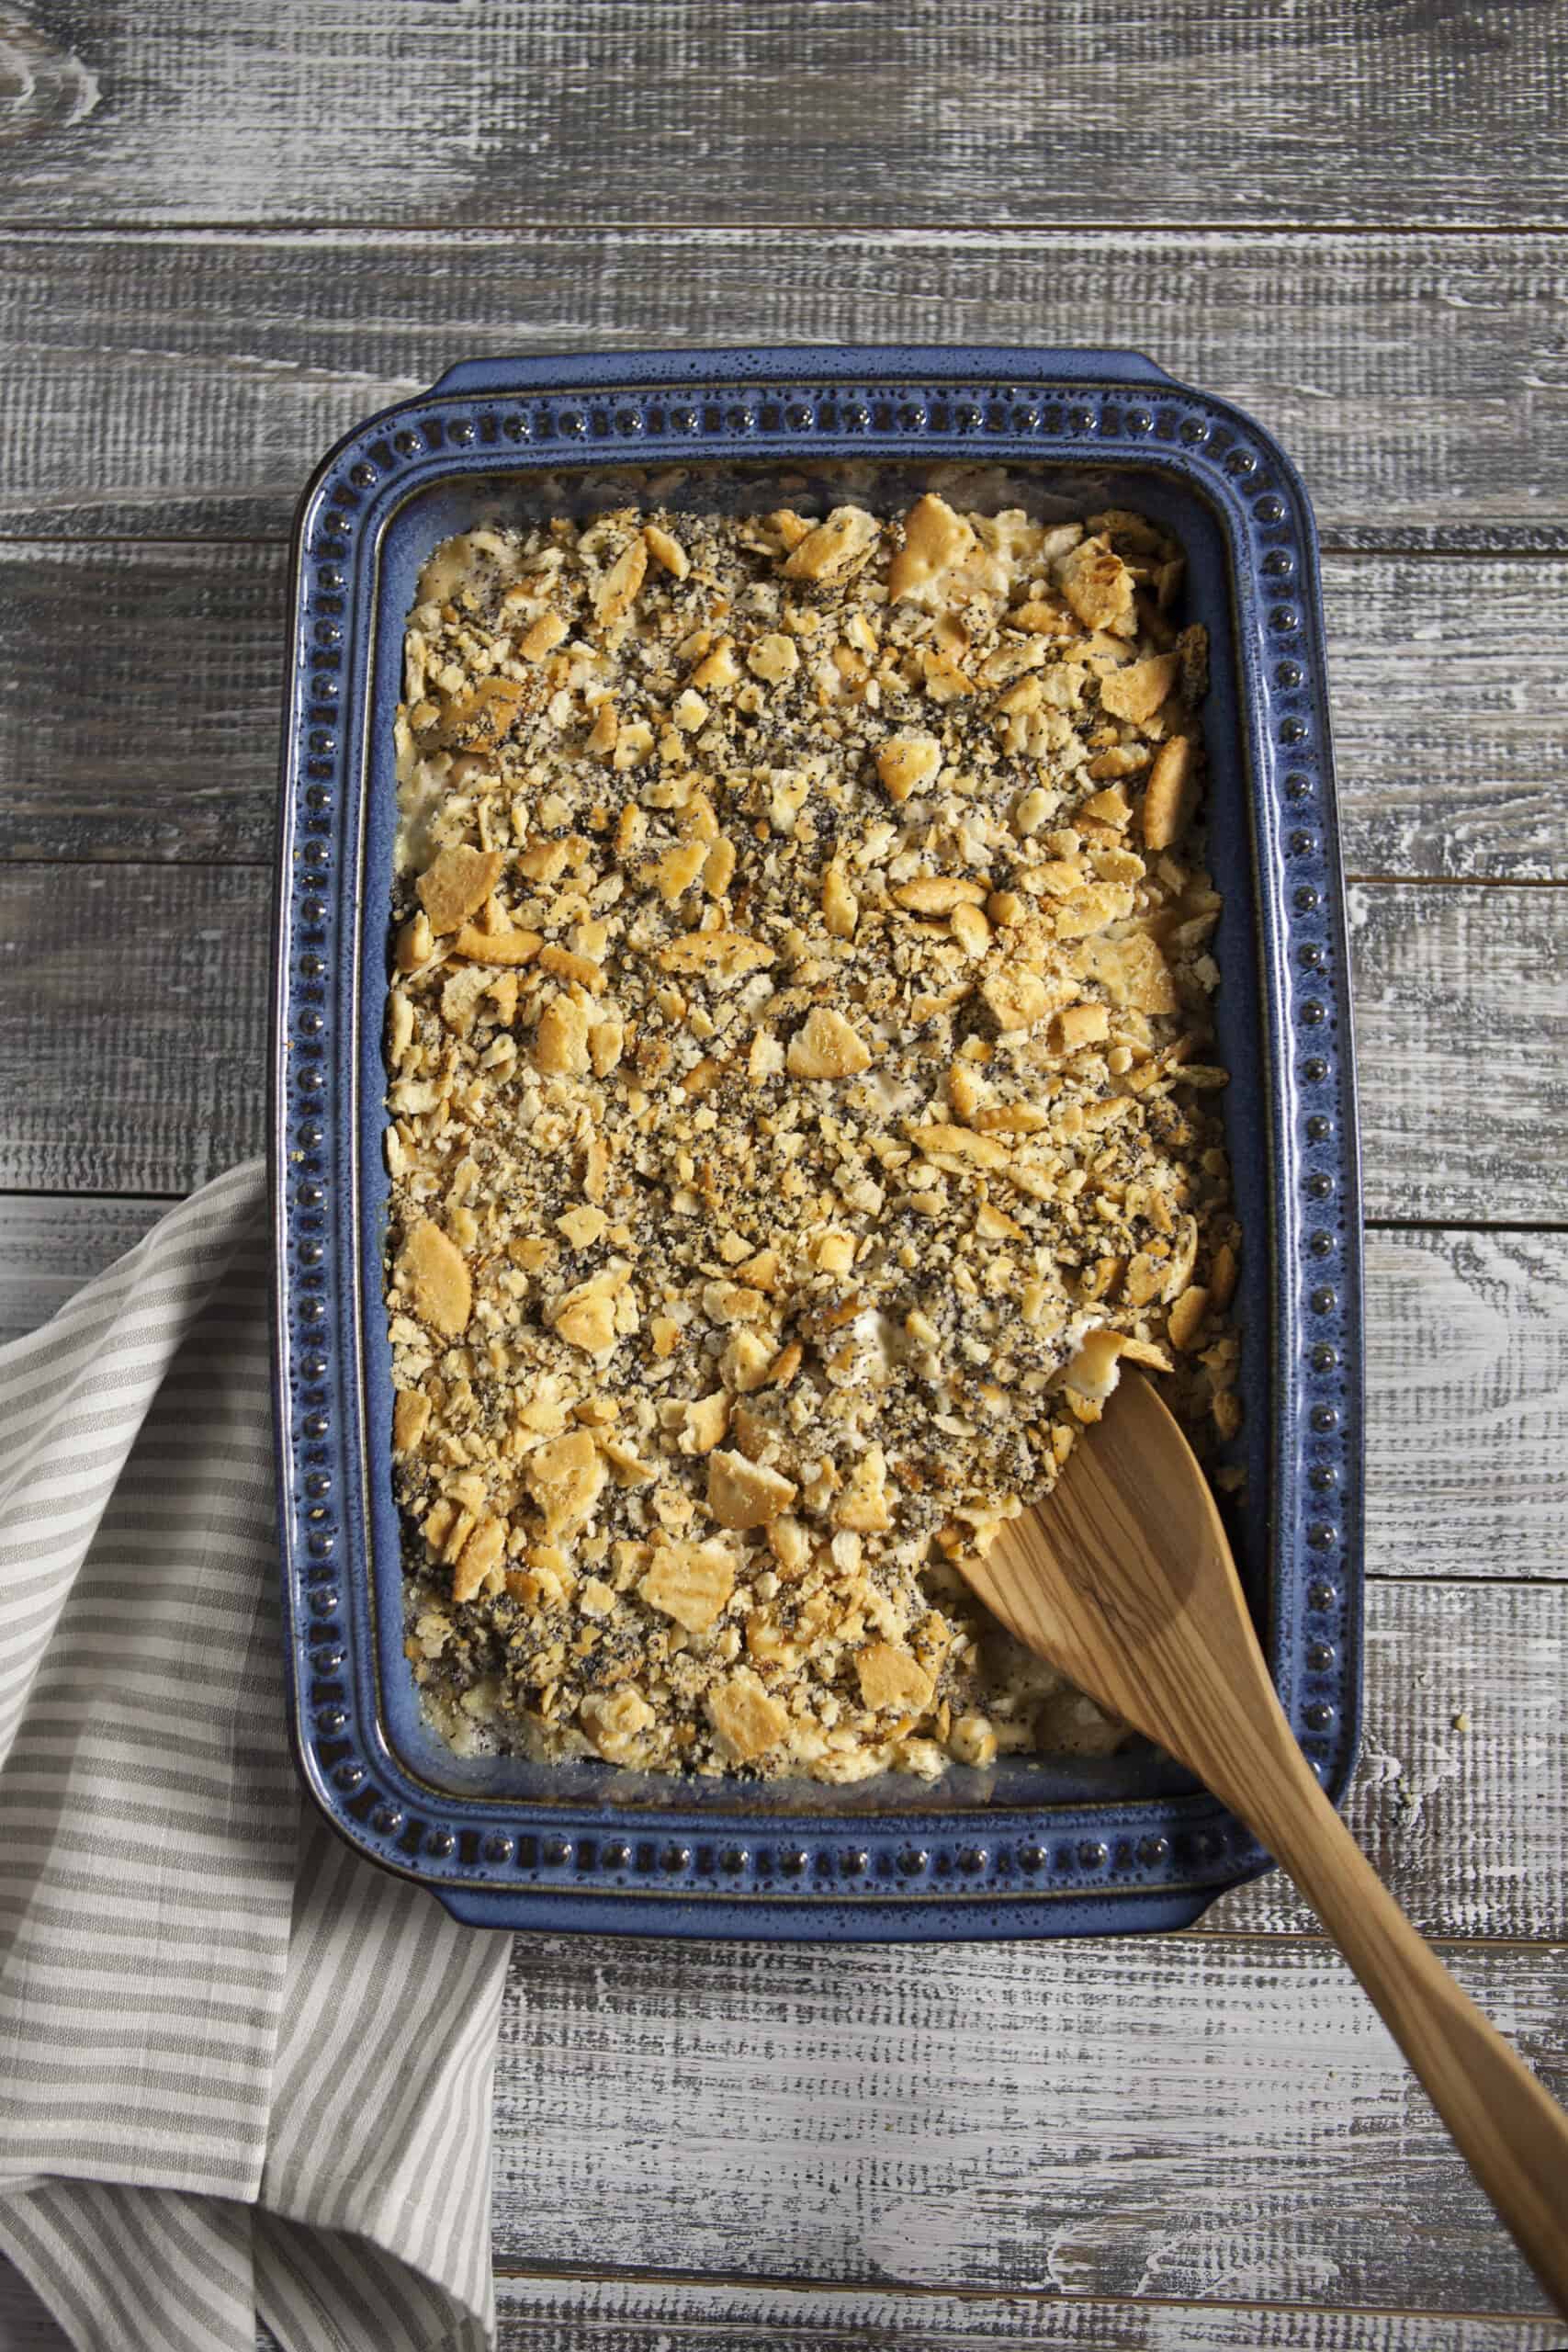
x: 1122, y: 1578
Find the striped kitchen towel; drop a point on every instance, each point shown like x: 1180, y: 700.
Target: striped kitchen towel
x: 242, y: 2073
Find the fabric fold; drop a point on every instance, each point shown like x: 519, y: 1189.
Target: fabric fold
x: 241, y: 2070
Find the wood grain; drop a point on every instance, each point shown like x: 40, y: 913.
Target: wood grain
x: 1461, y: 1028
x: 566, y: 111
x: 25, y: 2324
x: 141, y: 719
x: 132, y: 1037
x: 541, y: 2313
x: 1450, y: 715
x: 1460, y: 1799
x: 1171, y: 2117
x: 1418, y: 380
x: 1467, y: 1404
x: 1196, y: 2146
x: 49, y: 1246
x: 144, y: 686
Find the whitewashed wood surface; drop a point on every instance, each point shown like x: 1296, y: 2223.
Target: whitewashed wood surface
x: 225, y: 233
x: 1417, y: 379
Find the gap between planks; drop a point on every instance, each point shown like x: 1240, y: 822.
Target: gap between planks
x: 656, y: 2274
x: 1094, y: 2117
x: 349, y: 228
x: 758, y: 2316
x: 1493, y: 1584
x: 675, y: 2312
x: 1462, y: 881
x: 616, y: 2274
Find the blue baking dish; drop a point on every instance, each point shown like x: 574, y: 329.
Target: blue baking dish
x: 1035, y: 1846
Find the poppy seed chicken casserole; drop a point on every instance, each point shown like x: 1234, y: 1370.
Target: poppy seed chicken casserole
x: 800, y: 1100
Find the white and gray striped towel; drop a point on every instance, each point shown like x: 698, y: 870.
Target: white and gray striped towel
x: 242, y: 2073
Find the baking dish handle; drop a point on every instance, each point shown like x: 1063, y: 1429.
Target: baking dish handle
x: 474, y: 375
x: 469, y: 378
x: 1069, y: 365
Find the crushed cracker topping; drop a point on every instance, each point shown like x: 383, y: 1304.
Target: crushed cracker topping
x: 802, y: 1101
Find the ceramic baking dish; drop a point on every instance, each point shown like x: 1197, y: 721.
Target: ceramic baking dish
x: 1034, y: 1846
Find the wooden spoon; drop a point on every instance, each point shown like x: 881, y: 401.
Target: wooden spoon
x: 1125, y: 1580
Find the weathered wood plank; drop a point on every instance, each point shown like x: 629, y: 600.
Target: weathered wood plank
x: 545, y: 2315
x: 1416, y: 379
x: 144, y: 684
x: 132, y: 1038
x: 1177, y: 2117
x: 539, y: 2313
x: 566, y: 111
x: 1467, y: 1404
x: 1462, y: 1795
x: 132, y: 1035
x: 1461, y: 1027
x: 1450, y: 714
x: 49, y: 1246
x: 25, y: 2324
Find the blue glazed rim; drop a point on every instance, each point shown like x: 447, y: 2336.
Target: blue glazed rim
x: 1092, y: 1845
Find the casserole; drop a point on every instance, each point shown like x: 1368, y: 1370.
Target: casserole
x: 1036, y: 1845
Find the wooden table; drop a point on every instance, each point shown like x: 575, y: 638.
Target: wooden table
x: 225, y: 233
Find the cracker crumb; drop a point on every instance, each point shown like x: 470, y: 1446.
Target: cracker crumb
x: 802, y: 1101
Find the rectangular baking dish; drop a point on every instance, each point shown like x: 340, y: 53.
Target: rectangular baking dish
x: 1034, y: 1846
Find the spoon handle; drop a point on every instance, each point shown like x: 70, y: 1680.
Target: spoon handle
x: 1513, y: 2135
x: 1126, y: 1583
